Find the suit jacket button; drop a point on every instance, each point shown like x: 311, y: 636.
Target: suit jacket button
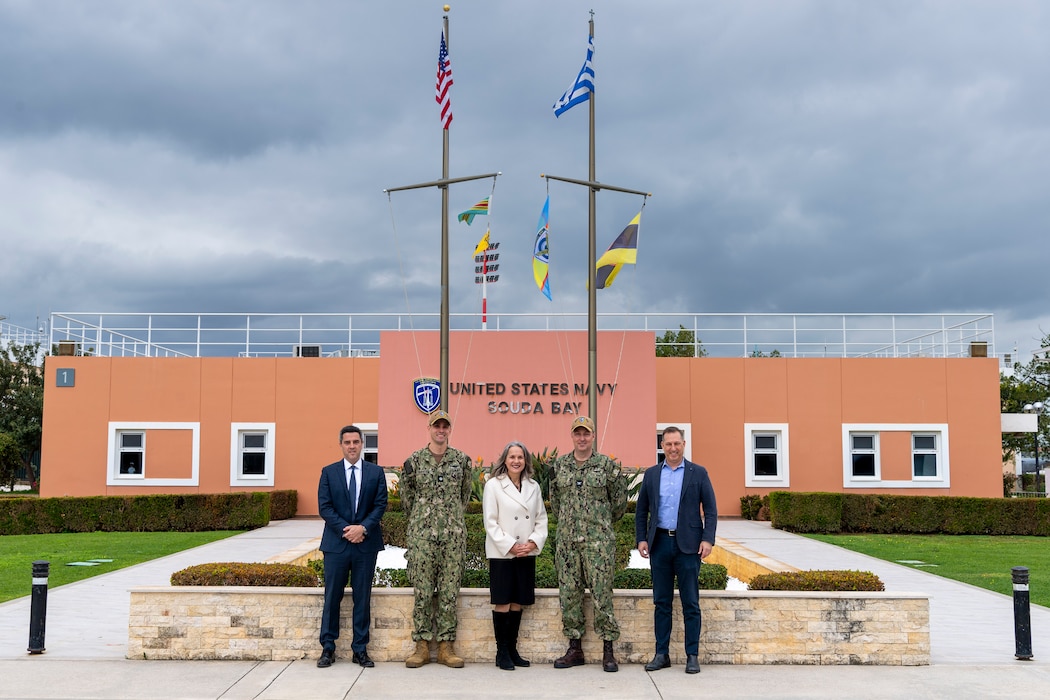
x: 515, y: 517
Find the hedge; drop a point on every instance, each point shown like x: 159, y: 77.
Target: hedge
x: 244, y: 574
x: 148, y: 513
x: 713, y: 577
x: 890, y: 514
x: 817, y: 581
x: 395, y: 532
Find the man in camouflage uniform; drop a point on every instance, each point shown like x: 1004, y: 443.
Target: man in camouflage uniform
x: 588, y: 494
x: 435, y: 489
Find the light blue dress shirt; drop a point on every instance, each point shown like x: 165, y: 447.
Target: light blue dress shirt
x: 670, y: 496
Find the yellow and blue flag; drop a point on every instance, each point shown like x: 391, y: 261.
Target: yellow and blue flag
x: 623, y: 251
x: 541, y: 257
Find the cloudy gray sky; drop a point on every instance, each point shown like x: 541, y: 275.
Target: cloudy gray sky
x: 842, y: 156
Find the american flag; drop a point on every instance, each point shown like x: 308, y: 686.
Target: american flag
x: 444, y: 82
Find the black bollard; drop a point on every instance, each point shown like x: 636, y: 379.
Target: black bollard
x: 38, y: 607
x: 1022, y: 615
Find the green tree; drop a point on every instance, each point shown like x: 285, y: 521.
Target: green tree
x: 680, y: 343
x: 772, y: 353
x: 21, y: 409
x: 1029, y: 383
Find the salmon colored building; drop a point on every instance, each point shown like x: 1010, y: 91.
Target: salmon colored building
x: 134, y: 425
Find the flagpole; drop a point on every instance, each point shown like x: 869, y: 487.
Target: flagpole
x: 444, y: 250
x: 571, y: 98
x: 592, y: 296
x: 484, y: 290
x: 443, y: 183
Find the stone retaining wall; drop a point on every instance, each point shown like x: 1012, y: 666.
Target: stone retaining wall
x: 739, y: 627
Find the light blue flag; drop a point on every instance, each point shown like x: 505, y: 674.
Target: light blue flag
x: 541, y: 254
x: 582, y: 87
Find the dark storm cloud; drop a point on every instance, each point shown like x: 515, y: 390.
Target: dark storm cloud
x: 803, y: 156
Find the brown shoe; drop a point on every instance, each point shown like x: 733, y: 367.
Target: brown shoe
x: 573, y: 657
x: 420, y: 656
x: 609, y: 664
x: 447, y: 655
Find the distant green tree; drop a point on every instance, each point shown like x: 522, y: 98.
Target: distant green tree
x: 680, y: 343
x: 772, y: 353
x: 1029, y: 383
x: 21, y: 408
x: 10, y: 460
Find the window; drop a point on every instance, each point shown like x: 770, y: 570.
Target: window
x: 252, y: 454
x: 895, y: 455
x: 169, y: 450
x: 924, y: 455
x: 371, y: 451
x: 766, y: 452
x: 131, y: 461
x: 864, y: 455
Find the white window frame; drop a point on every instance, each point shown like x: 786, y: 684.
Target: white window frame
x: 369, y: 429
x: 116, y: 428
x: 783, y: 477
x: 936, y: 452
x: 942, y: 480
x: 121, y: 450
x: 687, y: 430
x: 875, y: 452
x: 254, y: 480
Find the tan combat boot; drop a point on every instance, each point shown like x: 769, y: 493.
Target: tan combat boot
x: 420, y: 656
x: 447, y: 655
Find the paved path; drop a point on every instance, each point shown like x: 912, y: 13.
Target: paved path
x: 971, y: 639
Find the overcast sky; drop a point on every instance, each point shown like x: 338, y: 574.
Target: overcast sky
x: 840, y: 156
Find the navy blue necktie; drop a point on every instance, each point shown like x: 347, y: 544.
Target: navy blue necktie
x: 353, y: 490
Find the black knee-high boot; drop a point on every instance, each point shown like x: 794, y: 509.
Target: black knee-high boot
x: 500, y: 623
x: 513, y: 625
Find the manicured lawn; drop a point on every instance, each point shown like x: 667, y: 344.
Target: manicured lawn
x: 979, y: 560
x: 18, y: 552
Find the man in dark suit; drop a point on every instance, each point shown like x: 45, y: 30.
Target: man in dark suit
x: 351, y: 497
x: 673, y: 534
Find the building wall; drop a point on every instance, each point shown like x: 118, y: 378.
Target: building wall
x: 190, y: 409
x: 816, y: 397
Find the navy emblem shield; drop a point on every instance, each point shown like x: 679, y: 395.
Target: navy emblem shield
x: 427, y: 391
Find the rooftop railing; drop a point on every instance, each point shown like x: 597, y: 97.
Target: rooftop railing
x: 357, y: 335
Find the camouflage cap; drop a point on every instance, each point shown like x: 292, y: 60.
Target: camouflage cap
x: 582, y: 422
x: 439, y: 415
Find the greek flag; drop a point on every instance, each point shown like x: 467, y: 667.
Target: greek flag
x: 582, y: 87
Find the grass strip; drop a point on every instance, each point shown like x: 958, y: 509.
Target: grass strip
x: 18, y: 552
x: 980, y: 560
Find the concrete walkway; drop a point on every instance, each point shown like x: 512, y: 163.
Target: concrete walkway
x: 971, y: 638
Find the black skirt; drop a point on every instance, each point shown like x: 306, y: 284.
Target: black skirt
x: 512, y: 581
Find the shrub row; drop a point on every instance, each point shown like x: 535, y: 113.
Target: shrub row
x: 149, y: 513
x: 713, y: 577
x: 395, y: 531
x: 817, y: 581
x: 393, y: 505
x: 883, y: 513
x: 242, y: 574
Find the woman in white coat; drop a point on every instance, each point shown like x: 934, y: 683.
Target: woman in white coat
x: 515, y: 531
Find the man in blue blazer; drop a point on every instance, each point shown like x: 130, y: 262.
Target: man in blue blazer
x: 351, y: 497
x: 674, y: 535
